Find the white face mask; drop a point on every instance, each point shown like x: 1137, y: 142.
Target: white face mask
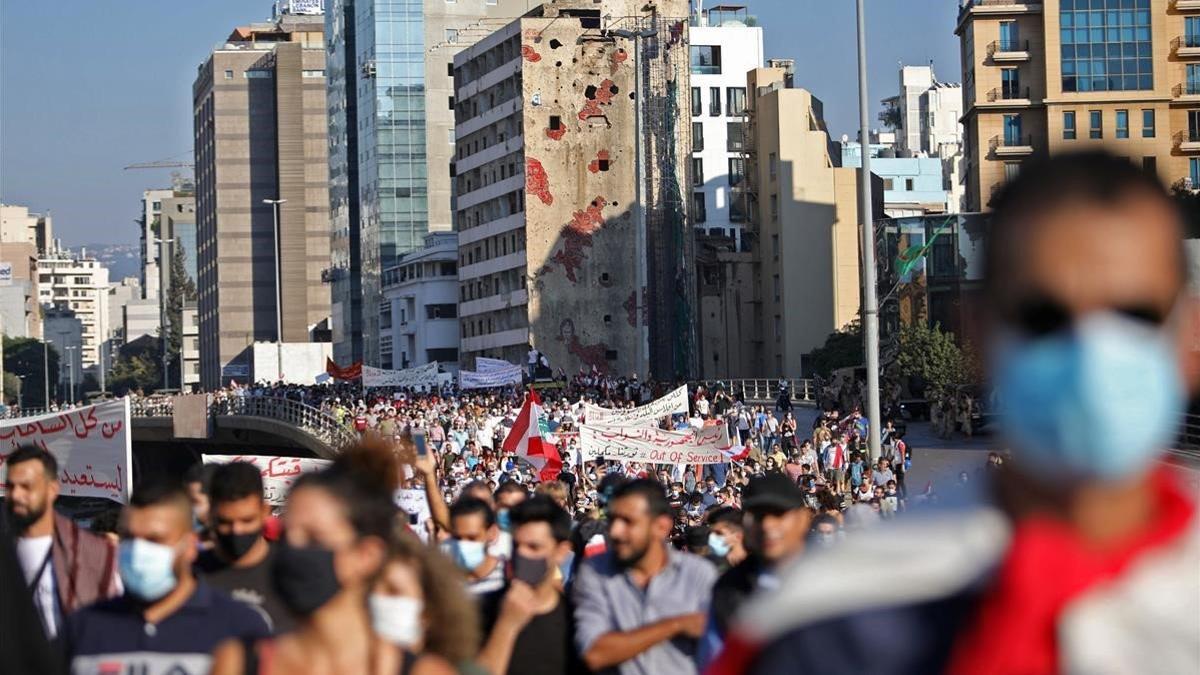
x: 396, y: 618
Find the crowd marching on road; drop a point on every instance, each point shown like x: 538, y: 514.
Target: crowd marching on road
x: 529, y: 551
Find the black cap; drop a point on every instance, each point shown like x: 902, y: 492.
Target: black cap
x: 772, y: 492
x: 696, y: 536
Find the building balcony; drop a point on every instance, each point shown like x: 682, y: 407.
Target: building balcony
x: 1186, y: 5
x: 1187, y: 91
x: 1012, y: 146
x: 1188, y: 141
x: 1009, y: 51
x: 1186, y: 46
x: 1008, y: 95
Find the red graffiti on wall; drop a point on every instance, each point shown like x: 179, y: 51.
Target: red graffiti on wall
x: 529, y: 54
x: 556, y: 134
x: 537, y: 183
x: 596, y: 97
x: 594, y: 355
x: 600, y: 163
x: 618, y: 57
x: 577, y: 236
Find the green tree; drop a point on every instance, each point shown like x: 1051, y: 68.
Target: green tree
x: 182, y: 292
x: 842, y: 349
x: 23, y: 357
x: 12, y: 388
x: 1189, y: 204
x: 137, y: 367
x: 931, y: 355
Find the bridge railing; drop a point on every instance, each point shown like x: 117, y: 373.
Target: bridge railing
x: 766, y: 389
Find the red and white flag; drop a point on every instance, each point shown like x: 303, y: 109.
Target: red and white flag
x: 528, y: 438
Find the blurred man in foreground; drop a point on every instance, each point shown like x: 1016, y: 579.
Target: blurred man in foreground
x: 1086, y: 561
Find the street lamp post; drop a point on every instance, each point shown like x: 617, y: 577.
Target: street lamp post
x: 164, y: 265
x: 71, y: 350
x: 275, y: 204
x: 21, y: 393
x: 870, y: 291
x: 46, y: 374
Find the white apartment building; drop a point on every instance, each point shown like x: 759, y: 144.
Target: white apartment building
x: 929, y: 124
x: 149, y: 221
x: 723, y: 50
x: 420, y: 323
x: 80, y: 284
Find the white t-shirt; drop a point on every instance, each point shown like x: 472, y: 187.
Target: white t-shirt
x: 32, y: 552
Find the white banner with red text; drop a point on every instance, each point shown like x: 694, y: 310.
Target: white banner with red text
x: 673, y: 403
x: 709, y: 445
x: 278, y: 473
x: 92, y: 444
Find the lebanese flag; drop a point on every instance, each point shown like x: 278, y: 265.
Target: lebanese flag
x: 528, y: 438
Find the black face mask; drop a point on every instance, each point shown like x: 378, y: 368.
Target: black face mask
x: 305, y: 577
x: 236, y: 545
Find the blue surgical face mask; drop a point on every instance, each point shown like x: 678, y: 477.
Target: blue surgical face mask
x: 469, y: 554
x: 718, y: 545
x: 1099, y: 400
x: 146, y: 568
x: 504, y: 520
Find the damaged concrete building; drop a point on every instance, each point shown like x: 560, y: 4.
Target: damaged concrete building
x: 572, y: 131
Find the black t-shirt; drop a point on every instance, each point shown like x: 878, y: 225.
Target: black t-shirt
x: 251, y: 585
x: 545, y: 645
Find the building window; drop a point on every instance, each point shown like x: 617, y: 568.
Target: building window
x: 1194, y: 172
x: 1010, y: 84
x: 1193, y: 79
x: 257, y: 74
x: 734, y: 137
x: 442, y: 311
x: 451, y: 35
x: 1150, y: 165
x: 714, y: 101
x: 1122, y: 124
x: 1191, y: 31
x: 889, y: 184
x: 1148, y: 123
x: 697, y: 107
x: 1009, y: 37
x: 775, y: 246
x: 706, y: 60
x: 697, y: 136
x: 735, y: 101
x: 1193, y: 125
x: 229, y: 74
x: 1069, y: 125
x: 698, y: 209
x: 1012, y: 131
x: 1106, y: 45
x: 1095, y: 124
x: 697, y: 171
x: 908, y: 184
x: 772, y: 165
x: 774, y: 208
x: 737, y: 171
x: 1011, y: 169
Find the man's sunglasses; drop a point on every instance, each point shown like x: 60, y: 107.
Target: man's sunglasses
x: 1041, y: 316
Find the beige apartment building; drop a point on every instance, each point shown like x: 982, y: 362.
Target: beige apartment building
x: 805, y: 209
x: 1045, y: 76
x: 573, y: 227
x: 260, y: 133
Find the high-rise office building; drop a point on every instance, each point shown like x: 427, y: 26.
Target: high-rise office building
x: 723, y: 49
x: 260, y: 134
x: 391, y: 143
x: 1046, y: 76
x: 17, y: 224
x: 571, y: 189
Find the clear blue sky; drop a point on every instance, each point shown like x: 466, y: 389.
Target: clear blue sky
x: 89, y: 87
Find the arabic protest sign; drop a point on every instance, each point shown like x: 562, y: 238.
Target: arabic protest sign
x: 649, y: 414
x: 414, y: 503
x: 421, y: 376
x: 500, y: 377
x: 278, y: 473
x: 484, y: 364
x: 709, y: 445
x: 92, y: 444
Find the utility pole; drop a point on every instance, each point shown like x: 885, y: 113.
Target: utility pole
x: 275, y: 204
x: 870, y: 289
x: 46, y: 373
x: 163, y: 264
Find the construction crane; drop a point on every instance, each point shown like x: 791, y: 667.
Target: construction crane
x: 177, y: 180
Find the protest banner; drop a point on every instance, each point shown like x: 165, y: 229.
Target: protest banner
x: 709, y: 445
x: 670, y: 404
x: 92, y: 444
x: 421, y: 376
x: 501, y: 377
x: 278, y: 473
x: 416, y: 505
x: 484, y: 364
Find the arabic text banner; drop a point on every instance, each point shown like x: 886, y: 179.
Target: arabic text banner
x: 92, y: 444
x: 649, y: 414
x: 709, y: 445
x: 421, y: 376
x: 501, y: 377
x: 484, y: 364
x: 278, y: 473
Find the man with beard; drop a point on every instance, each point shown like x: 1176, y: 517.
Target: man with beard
x: 65, y: 566
x: 640, y: 607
